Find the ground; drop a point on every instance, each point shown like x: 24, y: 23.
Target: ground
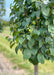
x: 6, y: 67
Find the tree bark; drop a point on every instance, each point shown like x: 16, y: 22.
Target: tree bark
x: 36, y: 70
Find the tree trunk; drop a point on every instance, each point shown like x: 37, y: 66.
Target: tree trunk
x: 36, y: 70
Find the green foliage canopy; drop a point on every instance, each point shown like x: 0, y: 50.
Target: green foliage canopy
x: 32, y: 23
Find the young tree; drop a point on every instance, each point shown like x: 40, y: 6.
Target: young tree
x: 32, y: 23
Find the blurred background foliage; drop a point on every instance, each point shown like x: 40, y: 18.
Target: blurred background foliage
x: 2, y: 13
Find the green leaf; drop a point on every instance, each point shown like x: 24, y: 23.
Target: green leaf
x: 21, y: 40
x: 25, y: 45
x: 34, y: 51
x: 14, y: 38
x: 53, y: 21
x: 35, y: 31
x: 21, y: 10
x: 28, y: 1
x: 38, y: 4
x: 28, y: 20
x: 53, y: 11
x: 16, y: 49
x: 44, y: 49
x: 23, y: 23
x: 45, y: 11
x: 48, y: 39
x: 52, y: 51
x: 31, y: 43
x: 43, y: 30
x: 41, y: 58
x: 33, y: 14
x: 52, y: 58
x: 33, y: 0
x: 38, y: 13
x: 40, y: 43
x: 12, y: 44
x: 47, y: 22
x: 27, y: 54
x: 51, y: 28
x: 28, y: 37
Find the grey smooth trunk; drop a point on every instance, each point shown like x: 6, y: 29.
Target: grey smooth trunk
x: 36, y: 70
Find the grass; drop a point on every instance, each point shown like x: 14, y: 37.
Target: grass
x: 6, y: 30
x: 17, y: 59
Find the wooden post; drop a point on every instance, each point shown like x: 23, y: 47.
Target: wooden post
x: 36, y: 70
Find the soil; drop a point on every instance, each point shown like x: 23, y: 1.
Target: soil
x: 6, y: 67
